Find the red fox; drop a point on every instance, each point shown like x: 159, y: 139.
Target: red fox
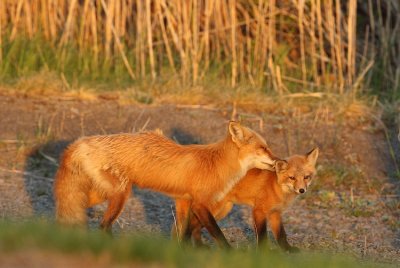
x: 267, y: 192
x: 104, y: 168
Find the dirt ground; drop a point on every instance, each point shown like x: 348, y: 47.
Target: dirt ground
x: 354, y: 206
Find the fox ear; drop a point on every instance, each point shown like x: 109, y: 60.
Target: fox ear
x: 312, y: 156
x: 236, y: 131
x: 281, y: 165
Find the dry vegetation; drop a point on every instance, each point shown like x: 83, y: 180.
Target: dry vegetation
x: 317, y: 60
x: 334, y: 46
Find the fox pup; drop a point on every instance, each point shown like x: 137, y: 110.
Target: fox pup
x: 267, y: 192
x: 104, y: 168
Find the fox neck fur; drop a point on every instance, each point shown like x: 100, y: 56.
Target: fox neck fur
x: 262, y: 185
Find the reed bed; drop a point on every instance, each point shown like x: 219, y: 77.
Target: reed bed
x: 336, y: 46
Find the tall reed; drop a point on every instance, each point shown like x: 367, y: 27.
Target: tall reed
x: 284, y: 44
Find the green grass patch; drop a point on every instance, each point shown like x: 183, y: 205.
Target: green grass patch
x: 25, y: 57
x: 152, y: 249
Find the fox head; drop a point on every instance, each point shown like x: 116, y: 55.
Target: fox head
x: 296, y: 173
x: 253, y: 150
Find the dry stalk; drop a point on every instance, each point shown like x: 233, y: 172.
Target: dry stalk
x: 150, y: 39
x: 193, y: 35
x: 351, y: 32
x: 52, y: 160
x: 302, y: 39
x: 176, y: 226
x: 232, y: 9
x: 119, y: 45
x: 27, y: 174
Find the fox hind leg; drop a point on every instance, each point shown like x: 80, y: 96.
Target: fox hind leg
x: 115, y: 206
x: 208, y: 221
x: 180, y: 230
x: 196, y: 225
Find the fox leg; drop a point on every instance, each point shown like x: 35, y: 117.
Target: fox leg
x: 195, y: 231
x: 187, y: 225
x: 196, y: 226
x: 207, y: 220
x: 278, y: 230
x: 181, y: 229
x: 260, y: 225
x: 115, y: 206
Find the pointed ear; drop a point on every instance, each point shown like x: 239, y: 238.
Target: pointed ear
x: 281, y: 165
x: 236, y: 131
x: 312, y: 156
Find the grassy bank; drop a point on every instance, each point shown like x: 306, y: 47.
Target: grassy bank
x: 143, y: 249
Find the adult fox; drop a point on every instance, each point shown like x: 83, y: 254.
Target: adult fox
x: 267, y: 192
x: 104, y: 168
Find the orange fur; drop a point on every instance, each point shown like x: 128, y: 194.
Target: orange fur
x: 269, y: 193
x: 99, y: 168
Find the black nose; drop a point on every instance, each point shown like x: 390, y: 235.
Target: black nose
x: 302, y: 191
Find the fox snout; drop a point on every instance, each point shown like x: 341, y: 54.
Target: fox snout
x: 269, y: 164
x: 300, y: 188
x: 271, y: 161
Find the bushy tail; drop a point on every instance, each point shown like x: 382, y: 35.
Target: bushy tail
x: 70, y: 199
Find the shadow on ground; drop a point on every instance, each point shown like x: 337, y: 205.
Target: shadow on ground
x: 40, y: 169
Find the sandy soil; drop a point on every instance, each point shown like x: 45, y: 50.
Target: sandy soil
x: 353, y: 208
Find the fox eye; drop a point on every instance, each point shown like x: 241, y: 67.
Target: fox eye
x: 307, y: 177
x: 292, y: 178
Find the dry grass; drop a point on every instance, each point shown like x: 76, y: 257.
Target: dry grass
x: 241, y: 101
x: 323, y: 44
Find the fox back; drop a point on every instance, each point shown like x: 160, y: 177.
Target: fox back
x: 99, y: 168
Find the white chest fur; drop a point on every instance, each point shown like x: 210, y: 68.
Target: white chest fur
x: 245, y: 165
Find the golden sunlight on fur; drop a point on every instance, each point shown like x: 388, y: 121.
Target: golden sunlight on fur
x: 104, y: 168
x: 267, y: 192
